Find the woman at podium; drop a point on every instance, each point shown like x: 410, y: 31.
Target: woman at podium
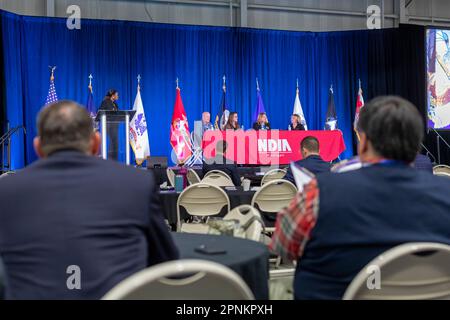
x: 109, y: 103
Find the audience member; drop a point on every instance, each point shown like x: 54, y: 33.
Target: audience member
x: 310, y: 149
x: 74, y: 225
x: 341, y: 221
x: 220, y: 162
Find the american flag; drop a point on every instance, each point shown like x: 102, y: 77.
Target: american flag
x: 51, y: 97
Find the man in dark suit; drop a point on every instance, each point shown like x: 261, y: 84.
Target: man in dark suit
x: 220, y: 162
x: 74, y: 225
x: 342, y: 221
x: 310, y: 148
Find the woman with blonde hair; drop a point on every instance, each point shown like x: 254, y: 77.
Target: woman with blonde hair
x: 262, y: 123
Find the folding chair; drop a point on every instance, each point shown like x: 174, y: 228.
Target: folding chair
x: 201, y: 199
x: 275, y: 174
x: 218, y: 178
x: 411, y: 271
x: 182, y: 280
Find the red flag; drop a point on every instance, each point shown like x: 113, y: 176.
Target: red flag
x: 180, y: 138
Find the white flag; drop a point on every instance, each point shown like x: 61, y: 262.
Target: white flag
x: 138, y: 131
x: 298, y: 110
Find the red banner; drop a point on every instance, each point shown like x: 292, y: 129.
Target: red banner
x: 271, y: 147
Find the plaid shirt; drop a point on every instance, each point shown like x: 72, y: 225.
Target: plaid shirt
x: 295, y: 223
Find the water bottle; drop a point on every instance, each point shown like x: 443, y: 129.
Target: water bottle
x: 242, y: 127
x: 178, y: 183
x: 289, y: 128
x: 183, y: 172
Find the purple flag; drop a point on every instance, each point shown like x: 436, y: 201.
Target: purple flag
x: 259, y: 106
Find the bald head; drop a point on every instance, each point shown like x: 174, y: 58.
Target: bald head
x: 65, y: 125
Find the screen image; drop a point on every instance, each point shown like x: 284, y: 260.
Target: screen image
x: 438, y: 78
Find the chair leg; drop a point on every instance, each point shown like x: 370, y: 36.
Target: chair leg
x: 278, y: 262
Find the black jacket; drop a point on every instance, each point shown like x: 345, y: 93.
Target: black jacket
x: 108, y: 105
x: 257, y: 126
x: 74, y: 209
x: 298, y: 127
x: 314, y: 164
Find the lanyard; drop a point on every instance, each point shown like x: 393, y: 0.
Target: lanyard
x: 386, y: 163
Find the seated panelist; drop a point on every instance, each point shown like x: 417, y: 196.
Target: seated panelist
x: 295, y: 123
x: 232, y: 123
x: 206, y: 122
x: 261, y: 123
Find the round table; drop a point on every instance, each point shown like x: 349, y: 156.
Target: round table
x: 169, y: 203
x: 249, y: 259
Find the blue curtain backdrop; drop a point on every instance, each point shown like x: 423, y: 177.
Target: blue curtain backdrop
x: 116, y: 52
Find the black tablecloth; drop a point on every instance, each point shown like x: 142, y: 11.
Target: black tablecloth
x: 169, y: 203
x: 249, y: 259
x: 250, y: 173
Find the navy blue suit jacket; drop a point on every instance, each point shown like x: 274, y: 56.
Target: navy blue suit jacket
x: 73, y: 209
x: 313, y: 163
x: 423, y: 162
x: 362, y: 213
x: 2, y: 280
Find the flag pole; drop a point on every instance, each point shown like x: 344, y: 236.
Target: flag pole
x: 52, y: 75
x: 139, y: 82
x: 354, y: 126
x: 224, y: 86
x: 90, y: 82
x: 257, y: 84
x: 177, y: 81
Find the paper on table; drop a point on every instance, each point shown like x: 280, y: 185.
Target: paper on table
x: 301, y: 176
